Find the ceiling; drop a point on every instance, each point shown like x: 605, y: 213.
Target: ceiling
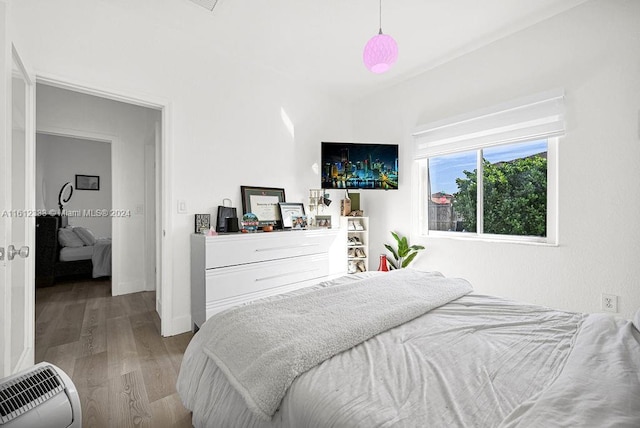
x: 321, y: 42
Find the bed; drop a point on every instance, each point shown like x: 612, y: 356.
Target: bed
x: 474, y: 361
x: 63, y: 251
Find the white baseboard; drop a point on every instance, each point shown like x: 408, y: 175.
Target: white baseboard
x: 180, y: 325
x: 129, y: 287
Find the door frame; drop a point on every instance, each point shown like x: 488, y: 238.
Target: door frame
x: 164, y: 245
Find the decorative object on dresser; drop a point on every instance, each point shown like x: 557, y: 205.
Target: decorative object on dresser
x: 288, y: 210
x: 323, y: 221
x: 226, y: 212
x: 318, y: 200
x: 357, y: 242
x: 404, y: 254
x: 227, y: 270
x: 298, y: 222
x: 250, y: 222
x: 202, y: 223
x: 263, y: 202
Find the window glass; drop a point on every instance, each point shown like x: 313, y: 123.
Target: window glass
x: 447, y: 185
x: 513, y: 192
x: 515, y: 189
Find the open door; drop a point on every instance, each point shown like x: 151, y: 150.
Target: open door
x: 17, y: 203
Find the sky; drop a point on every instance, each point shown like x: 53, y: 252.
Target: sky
x: 444, y: 170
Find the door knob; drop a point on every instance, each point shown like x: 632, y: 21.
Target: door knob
x: 22, y: 252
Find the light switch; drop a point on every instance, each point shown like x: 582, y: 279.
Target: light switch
x: 182, y: 206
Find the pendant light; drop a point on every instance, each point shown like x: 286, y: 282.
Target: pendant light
x: 381, y: 51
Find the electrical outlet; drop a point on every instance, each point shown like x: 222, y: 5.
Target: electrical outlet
x: 609, y: 302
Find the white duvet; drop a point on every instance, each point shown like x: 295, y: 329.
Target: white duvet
x: 478, y: 361
x: 101, y: 258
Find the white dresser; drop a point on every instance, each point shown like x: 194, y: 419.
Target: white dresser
x: 230, y: 269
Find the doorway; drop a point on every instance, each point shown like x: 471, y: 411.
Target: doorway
x: 63, y: 160
x: 134, y: 130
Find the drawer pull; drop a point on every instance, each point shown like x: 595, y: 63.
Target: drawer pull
x: 284, y: 274
x: 287, y: 247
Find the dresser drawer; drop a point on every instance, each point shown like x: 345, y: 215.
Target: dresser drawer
x: 224, y: 283
x: 222, y: 251
x: 228, y: 270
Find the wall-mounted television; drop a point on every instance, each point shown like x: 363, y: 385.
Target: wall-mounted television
x: 359, y: 166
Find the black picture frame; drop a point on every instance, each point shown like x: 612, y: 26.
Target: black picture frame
x: 264, y: 203
x: 202, y: 223
x: 289, y: 209
x: 87, y: 182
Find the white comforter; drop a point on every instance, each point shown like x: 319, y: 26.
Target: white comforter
x: 101, y: 258
x: 263, y: 347
x: 479, y: 361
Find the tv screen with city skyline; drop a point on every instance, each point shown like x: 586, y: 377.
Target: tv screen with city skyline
x: 359, y: 166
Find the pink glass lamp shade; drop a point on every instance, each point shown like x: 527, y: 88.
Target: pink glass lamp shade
x: 380, y: 52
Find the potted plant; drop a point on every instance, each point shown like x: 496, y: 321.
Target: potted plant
x: 404, y: 254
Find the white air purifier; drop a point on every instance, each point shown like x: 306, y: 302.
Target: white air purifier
x: 42, y: 397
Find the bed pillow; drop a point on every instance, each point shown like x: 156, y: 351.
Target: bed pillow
x: 85, y: 235
x: 68, y: 238
x: 636, y: 320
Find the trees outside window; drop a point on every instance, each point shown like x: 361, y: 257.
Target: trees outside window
x: 512, y: 191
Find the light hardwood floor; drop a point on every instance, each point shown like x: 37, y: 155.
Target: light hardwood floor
x: 111, y: 347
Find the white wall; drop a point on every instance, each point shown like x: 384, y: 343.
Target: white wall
x: 225, y: 125
x: 593, y: 52
x: 130, y: 128
x: 58, y: 160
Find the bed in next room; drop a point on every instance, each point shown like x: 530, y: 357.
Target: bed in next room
x: 62, y: 250
x: 408, y: 349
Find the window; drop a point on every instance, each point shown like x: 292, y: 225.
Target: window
x: 492, y: 174
x: 511, y: 194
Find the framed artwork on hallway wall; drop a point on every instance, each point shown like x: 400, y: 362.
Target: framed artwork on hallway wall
x: 87, y: 182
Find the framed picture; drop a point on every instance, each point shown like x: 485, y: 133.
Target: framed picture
x: 298, y: 222
x: 202, y: 223
x: 323, y: 221
x: 289, y: 210
x: 263, y: 202
x: 87, y: 182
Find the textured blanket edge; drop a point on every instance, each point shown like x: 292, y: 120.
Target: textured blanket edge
x: 244, y: 392
x: 443, y: 290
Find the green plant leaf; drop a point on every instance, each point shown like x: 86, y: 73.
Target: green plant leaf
x: 409, y: 259
x: 403, y: 247
x: 404, y: 254
x: 392, y: 250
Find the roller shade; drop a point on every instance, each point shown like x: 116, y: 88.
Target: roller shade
x: 532, y: 117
